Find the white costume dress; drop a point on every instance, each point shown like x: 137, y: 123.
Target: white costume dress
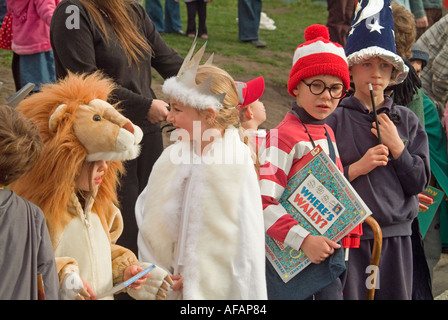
x: 202, y: 217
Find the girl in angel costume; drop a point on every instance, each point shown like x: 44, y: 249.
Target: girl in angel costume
x: 200, y: 217
x: 74, y: 183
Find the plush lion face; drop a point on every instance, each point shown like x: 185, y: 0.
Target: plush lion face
x: 102, y: 130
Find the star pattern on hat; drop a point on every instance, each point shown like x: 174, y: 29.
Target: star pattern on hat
x: 352, y: 29
x: 375, y: 26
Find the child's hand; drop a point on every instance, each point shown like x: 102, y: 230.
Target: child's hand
x: 374, y: 157
x: 179, y: 282
x: 131, y: 271
x: 87, y: 292
x: 424, y: 200
x: 156, y: 284
x: 75, y: 288
x: 318, y: 248
x: 389, y: 135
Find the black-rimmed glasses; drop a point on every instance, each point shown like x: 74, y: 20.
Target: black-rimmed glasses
x: 317, y: 87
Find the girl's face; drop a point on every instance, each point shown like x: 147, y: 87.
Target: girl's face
x: 187, y: 118
x: 321, y: 105
x: 91, y: 174
x: 376, y: 71
x: 259, y: 111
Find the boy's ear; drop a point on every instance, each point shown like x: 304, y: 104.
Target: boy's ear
x: 296, y: 90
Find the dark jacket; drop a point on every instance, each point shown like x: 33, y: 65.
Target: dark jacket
x: 389, y: 191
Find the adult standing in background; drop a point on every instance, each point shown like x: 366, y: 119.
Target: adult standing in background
x: 339, y: 19
x: 117, y: 37
x: 249, y: 12
x: 416, y: 7
x: 435, y: 75
x: 31, y: 40
x: 432, y: 9
x: 171, y: 23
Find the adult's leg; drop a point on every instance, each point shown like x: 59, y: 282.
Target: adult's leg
x: 202, y: 17
x: 15, y: 68
x: 191, y: 17
x: 172, y: 16
x: 248, y: 19
x: 155, y: 12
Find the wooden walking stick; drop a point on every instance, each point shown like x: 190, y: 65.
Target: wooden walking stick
x: 376, y: 253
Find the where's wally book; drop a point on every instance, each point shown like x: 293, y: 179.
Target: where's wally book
x: 323, y: 201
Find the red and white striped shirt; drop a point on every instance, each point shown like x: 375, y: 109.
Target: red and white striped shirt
x: 285, y: 147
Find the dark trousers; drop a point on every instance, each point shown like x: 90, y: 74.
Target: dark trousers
x: 172, y: 22
x: 15, y: 67
x: 395, y: 271
x: 199, y: 7
x: 248, y: 19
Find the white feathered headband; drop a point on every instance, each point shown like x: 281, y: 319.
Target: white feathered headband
x: 183, y: 87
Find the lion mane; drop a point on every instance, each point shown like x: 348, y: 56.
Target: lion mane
x: 51, y: 182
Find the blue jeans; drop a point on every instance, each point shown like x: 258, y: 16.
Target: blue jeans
x: 37, y: 68
x: 172, y: 21
x: 248, y: 19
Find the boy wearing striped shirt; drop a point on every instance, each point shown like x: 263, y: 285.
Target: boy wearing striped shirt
x: 318, y: 79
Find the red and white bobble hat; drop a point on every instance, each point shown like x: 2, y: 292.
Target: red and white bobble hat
x: 318, y: 55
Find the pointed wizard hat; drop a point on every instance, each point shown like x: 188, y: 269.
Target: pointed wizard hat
x: 372, y: 34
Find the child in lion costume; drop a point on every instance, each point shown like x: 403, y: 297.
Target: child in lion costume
x: 74, y: 183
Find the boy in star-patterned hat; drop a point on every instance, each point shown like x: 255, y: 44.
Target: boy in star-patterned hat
x: 386, y: 161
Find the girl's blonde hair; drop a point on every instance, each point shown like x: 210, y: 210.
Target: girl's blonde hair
x: 229, y: 115
x: 122, y: 18
x: 222, y: 81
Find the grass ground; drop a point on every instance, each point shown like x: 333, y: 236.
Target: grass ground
x: 291, y: 18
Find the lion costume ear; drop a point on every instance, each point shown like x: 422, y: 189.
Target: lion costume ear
x: 56, y: 117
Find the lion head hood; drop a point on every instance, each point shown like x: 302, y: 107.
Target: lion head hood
x: 76, y: 124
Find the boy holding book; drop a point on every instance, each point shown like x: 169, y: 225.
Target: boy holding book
x: 318, y: 79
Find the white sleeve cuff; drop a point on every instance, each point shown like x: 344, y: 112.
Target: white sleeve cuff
x: 295, y: 237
